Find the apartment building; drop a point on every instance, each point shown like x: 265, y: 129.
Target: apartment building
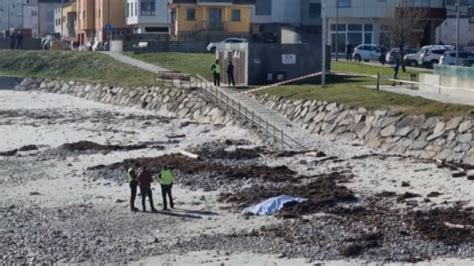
x: 85, y: 24
x: 148, y: 16
x: 446, y: 32
x: 68, y: 21
x: 304, y: 16
x: 110, y: 12
x: 211, y: 16
x: 364, y: 22
x: 11, y: 14
x: 30, y: 17
x: 46, y: 18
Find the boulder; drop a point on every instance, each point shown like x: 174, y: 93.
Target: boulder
x: 403, y: 132
x: 388, y: 131
x: 464, y: 138
x: 465, y: 126
x: 454, y: 123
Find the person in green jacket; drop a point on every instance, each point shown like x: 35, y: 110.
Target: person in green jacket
x: 166, y: 181
x: 133, y: 183
x: 216, y: 72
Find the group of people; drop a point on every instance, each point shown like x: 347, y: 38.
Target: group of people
x: 216, y: 73
x: 16, y: 40
x: 144, y: 180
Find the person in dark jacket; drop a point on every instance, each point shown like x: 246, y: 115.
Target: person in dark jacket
x: 144, y: 180
x: 230, y: 74
x: 133, y: 183
x: 396, y: 68
x: 19, y: 40
x: 349, y: 51
x: 12, y: 40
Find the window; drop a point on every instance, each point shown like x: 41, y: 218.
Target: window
x: 314, y: 10
x: 148, y: 8
x: 355, y: 27
x: 235, y: 14
x: 191, y: 14
x: 263, y: 7
x: 344, y: 3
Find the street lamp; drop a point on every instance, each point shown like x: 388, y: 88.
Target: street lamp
x: 457, y: 32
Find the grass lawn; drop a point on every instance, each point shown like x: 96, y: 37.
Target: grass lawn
x: 87, y: 66
x: 191, y: 63
x: 364, y: 69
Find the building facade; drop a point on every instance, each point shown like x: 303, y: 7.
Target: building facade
x: 109, y: 12
x: 30, y: 17
x: 211, y: 16
x: 46, y: 17
x: 446, y: 32
x: 11, y: 14
x: 85, y: 24
x: 364, y: 22
x: 148, y: 16
x: 68, y: 21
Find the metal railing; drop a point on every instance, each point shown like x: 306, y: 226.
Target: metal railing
x: 243, y: 113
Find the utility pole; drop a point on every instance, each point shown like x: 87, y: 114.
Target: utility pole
x: 324, y: 42
x: 457, y: 32
x: 337, y: 31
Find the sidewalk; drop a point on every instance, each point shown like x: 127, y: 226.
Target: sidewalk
x: 136, y: 63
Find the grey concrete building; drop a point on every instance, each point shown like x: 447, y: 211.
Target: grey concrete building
x: 446, y: 32
x: 11, y: 14
x: 46, y: 15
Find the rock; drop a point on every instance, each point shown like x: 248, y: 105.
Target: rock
x: 454, y: 123
x: 429, y: 123
x: 434, y: 136
x: 418, y: 145
x: 458, y: 174
x: 388, y: 131
x: 451, y: 136
x: 331, y: 106
x: 465, y: 126
x: 439, y: 128
x: 29, y: 148
x: 464, y: 138
x: 119, y: 201
x: 351, y: 250
x: 319, y: 117
x: 434, y: 194
x: 359, y: 118
x: 34, y: 193
x: 404, y: 131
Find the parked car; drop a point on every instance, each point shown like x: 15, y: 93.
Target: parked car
x: 213, y: 45
x: 100, y: 46
x: 390, y: 55
x: 430, y: 55
x: 465, y: 58
x: 469, y: 47
x: 367, y: 52
x: 412, y: 59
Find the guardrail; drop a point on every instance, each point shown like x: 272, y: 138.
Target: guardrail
x: 255, y: 120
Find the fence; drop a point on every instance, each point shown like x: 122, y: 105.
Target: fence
x: 243, y: 113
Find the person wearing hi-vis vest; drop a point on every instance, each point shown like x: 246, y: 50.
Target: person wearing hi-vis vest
x: 216, y: 72
x: 166, y: 180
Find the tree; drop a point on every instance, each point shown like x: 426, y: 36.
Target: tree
x: 405, y: 27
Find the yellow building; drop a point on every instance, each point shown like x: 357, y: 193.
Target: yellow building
x: 68, y: 21
x: 110, y: 12
x: 231, y: 16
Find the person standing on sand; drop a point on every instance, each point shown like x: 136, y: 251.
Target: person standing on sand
x: 166, y: 180
x: 132, y: 180
x: 144, y: 180
x: 216, y: 72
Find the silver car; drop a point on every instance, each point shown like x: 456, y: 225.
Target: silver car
x: 465, y: 58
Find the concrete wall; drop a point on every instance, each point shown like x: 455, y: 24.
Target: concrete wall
x: 446, y: 32
x: 28, y: 44
x: 281, y: 11
x: 167, y: 46
x: 268, y: 58
x: 46, y: 17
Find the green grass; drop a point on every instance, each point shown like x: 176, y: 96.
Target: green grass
x: 87, y: 66
x: 364, y: 69
x: 190, y: 63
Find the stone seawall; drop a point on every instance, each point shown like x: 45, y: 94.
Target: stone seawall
x: 172, y: 102
x: 411, y: 135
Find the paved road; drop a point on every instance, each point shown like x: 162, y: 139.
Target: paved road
x: 137, y: 63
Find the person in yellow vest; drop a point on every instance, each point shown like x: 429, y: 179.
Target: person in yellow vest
x: 216, y: 72
x: 166, y: 180
x: 132, y: 179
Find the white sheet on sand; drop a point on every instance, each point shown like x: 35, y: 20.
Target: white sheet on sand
x: 272, y: 205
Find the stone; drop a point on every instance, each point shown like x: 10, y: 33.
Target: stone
x: 454, y: 123
x: 439, y: 128
x: 361, y: 110
x: 464, y: 138
x: 463, y: 147
x: 328, y: 127
x: 434, y: 136
x: 406, y: 143
x: 359, y: 118
x: 451, y: 136
x: 465, y: 126
x: 364, y: 131
x: 388, y: 131
x: 380, y: 113
x: 331, y: 116
x: 414, y: 134
x: 418, y: 145
x: 444, y: 154
x: 331, y: 106
x: 309, y: 116
x: 374, y: 143
x: 429, y: 123
x: 392, y: 140
x: 403, y: 132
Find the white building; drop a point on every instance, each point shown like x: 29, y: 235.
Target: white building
x: 446, y: 32
x: 30, y: 18
x: 360, y: 22
x: 46, y: 15
x: 148, y: 16
x: 57, y: 20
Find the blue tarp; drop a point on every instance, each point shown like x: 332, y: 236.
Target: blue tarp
x: 271, y: 205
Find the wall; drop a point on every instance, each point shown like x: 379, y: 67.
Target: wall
x: 28, y: 44
x: 415, y: 135
x: 30, y: 19
x: 281, y: 11
x: 168, y: 46
x: 46, y: 17
x: 172, y: 102
x: 85, y: 20
x: 15, y: 14
x: 109, y: 11
x: 162, y: 17
x: 446, y: 32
